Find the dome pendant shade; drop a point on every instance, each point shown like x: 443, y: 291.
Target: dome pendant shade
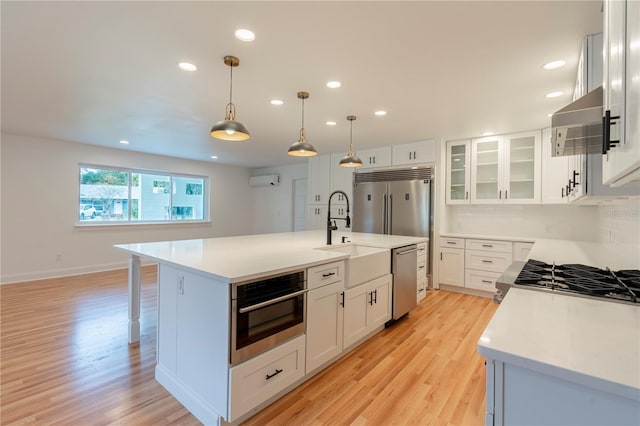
x: 302, y: 148
x: 229, y: 129
x: 351, y: 159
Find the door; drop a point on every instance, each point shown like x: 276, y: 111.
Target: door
x: 369, y: 205
x: 356, y: 306
x: 451, y: 266
x: 409, y: 205
x: 380, y: 306
x: 324, y: 324
x: 458, y: 173
x: 486, y: 170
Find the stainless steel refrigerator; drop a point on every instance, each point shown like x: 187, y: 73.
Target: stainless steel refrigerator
x: 395, y: 202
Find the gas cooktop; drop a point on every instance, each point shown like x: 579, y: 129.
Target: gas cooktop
x: 582, y: 280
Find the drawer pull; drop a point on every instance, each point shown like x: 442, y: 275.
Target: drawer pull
x: 487, y: 261
x: 487, y: 245
x: 421, y: 267
x: 452, y: 243
x: 487, y: 281
x: 328, y: 275
x: 278, y: 371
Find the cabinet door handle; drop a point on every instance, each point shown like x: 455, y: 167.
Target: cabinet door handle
x: 487, y: 245
x: 574, y: 178
x: 452, y: 243
x: 487, y: 261
x: 607, y: 122
x: 500, y: 194
x: 440, y: 255
x: 506, y: 194
x: 374, y: 159
x: 466, y: 197
x: 342, y: 297
x: 328, y: 275
x: 375, y: 294
x: 371, y: 298
x: 487, y: 281
x: 562, y: 192
x: 278, y: 371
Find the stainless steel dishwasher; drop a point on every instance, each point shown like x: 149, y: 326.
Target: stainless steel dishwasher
x: 405, y: 279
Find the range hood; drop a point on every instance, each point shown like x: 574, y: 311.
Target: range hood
x: 577, y: 128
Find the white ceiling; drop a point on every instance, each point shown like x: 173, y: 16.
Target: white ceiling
x: 99, y: 72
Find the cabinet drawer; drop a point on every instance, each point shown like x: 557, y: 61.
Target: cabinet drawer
x: 481, y: 280
x: 260, y: 378
x: 452, y: 242
x: 330, y: 273
x: 489, y: 245
x: 487, y: 261
x: 422, y: 250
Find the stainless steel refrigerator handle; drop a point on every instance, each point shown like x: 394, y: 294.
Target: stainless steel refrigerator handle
x: 389, y: 225
x: 384, y: 214
x: 399, y: 253
x: 271, y: 302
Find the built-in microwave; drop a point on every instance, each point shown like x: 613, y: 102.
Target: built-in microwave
x: 266, y: 313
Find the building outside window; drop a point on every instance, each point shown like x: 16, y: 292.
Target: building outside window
x: 109, y: 195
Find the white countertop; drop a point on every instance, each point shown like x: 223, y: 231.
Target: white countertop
x: 242, y: 258
x: 591, y: 342
x: 488, y: 237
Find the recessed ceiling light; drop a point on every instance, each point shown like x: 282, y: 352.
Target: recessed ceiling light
x: 331, y: 123
x: 334, y: 84
x: 553, y: 94
x: 487, y: 134
x: 276, y: 102
x: 380, y: 113
x: 123, y: 142
x: 215, y: 157
x: 187, y: 66
x: 554, y: 65
x: 245, y: 35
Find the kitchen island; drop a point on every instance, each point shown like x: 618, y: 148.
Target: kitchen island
x: 197, y: 282
x: 554, y: 358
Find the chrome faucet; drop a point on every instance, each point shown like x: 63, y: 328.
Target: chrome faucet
x: 334, y: 227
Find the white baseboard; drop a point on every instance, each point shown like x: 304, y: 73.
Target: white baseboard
x: 64, y: 272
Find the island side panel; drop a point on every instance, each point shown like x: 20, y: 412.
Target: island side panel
x: 134, y: 299
x: 193, y: 340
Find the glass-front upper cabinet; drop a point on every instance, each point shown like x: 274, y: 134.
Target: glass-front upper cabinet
x: 506, y: 169
x: 458, y: 172
x: 523, y: 162
x: 487, y: 170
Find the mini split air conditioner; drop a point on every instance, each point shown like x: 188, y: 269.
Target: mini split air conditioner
x: 267, y: 180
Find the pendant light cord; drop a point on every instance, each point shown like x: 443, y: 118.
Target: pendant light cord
x: 230, y: 89
x: 302, y: 138
x: 351, y: 140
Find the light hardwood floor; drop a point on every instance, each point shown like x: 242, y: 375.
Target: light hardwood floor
x: 64, y: 359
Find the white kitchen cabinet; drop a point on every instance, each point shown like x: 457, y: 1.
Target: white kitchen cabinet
x: 319, y: 180
x: 340, y: 211
x: 317, y: 217
x: 421, y: 271
x: 554, y: 173
x: 506, y: 169
x: 190, y: 335
x: 366, y: 307
x: 325, y: 318
x: 414, y: 153
x: 451, y: 268
x: 376, y: 157
x: 341, y: 180
x: 485, y: 261
x: 255, y: 381
x: 621, y: 164
x: 458, y: 172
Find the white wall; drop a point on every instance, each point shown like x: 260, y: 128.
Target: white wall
x: 39, y: 199
x: 619, y: 229
x: 536, y: 221
x: 274, y: 204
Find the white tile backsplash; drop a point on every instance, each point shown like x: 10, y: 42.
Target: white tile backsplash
x: 619, y: 229
x: 536, y: 221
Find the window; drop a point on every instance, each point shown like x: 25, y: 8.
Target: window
x: 110, y: 195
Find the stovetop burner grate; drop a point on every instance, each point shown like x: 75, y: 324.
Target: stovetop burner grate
x: 579, y: 279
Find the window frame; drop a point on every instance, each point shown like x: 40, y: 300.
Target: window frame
x: 206, y: 191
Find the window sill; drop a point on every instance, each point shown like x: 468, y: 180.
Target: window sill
x: 140, y: 224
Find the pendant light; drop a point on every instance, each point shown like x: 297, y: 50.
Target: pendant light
x: 302, y: 148
x: 229, y: 129
x: 351, y: 159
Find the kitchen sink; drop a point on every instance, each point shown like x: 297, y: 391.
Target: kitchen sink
x: 364, y: 263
